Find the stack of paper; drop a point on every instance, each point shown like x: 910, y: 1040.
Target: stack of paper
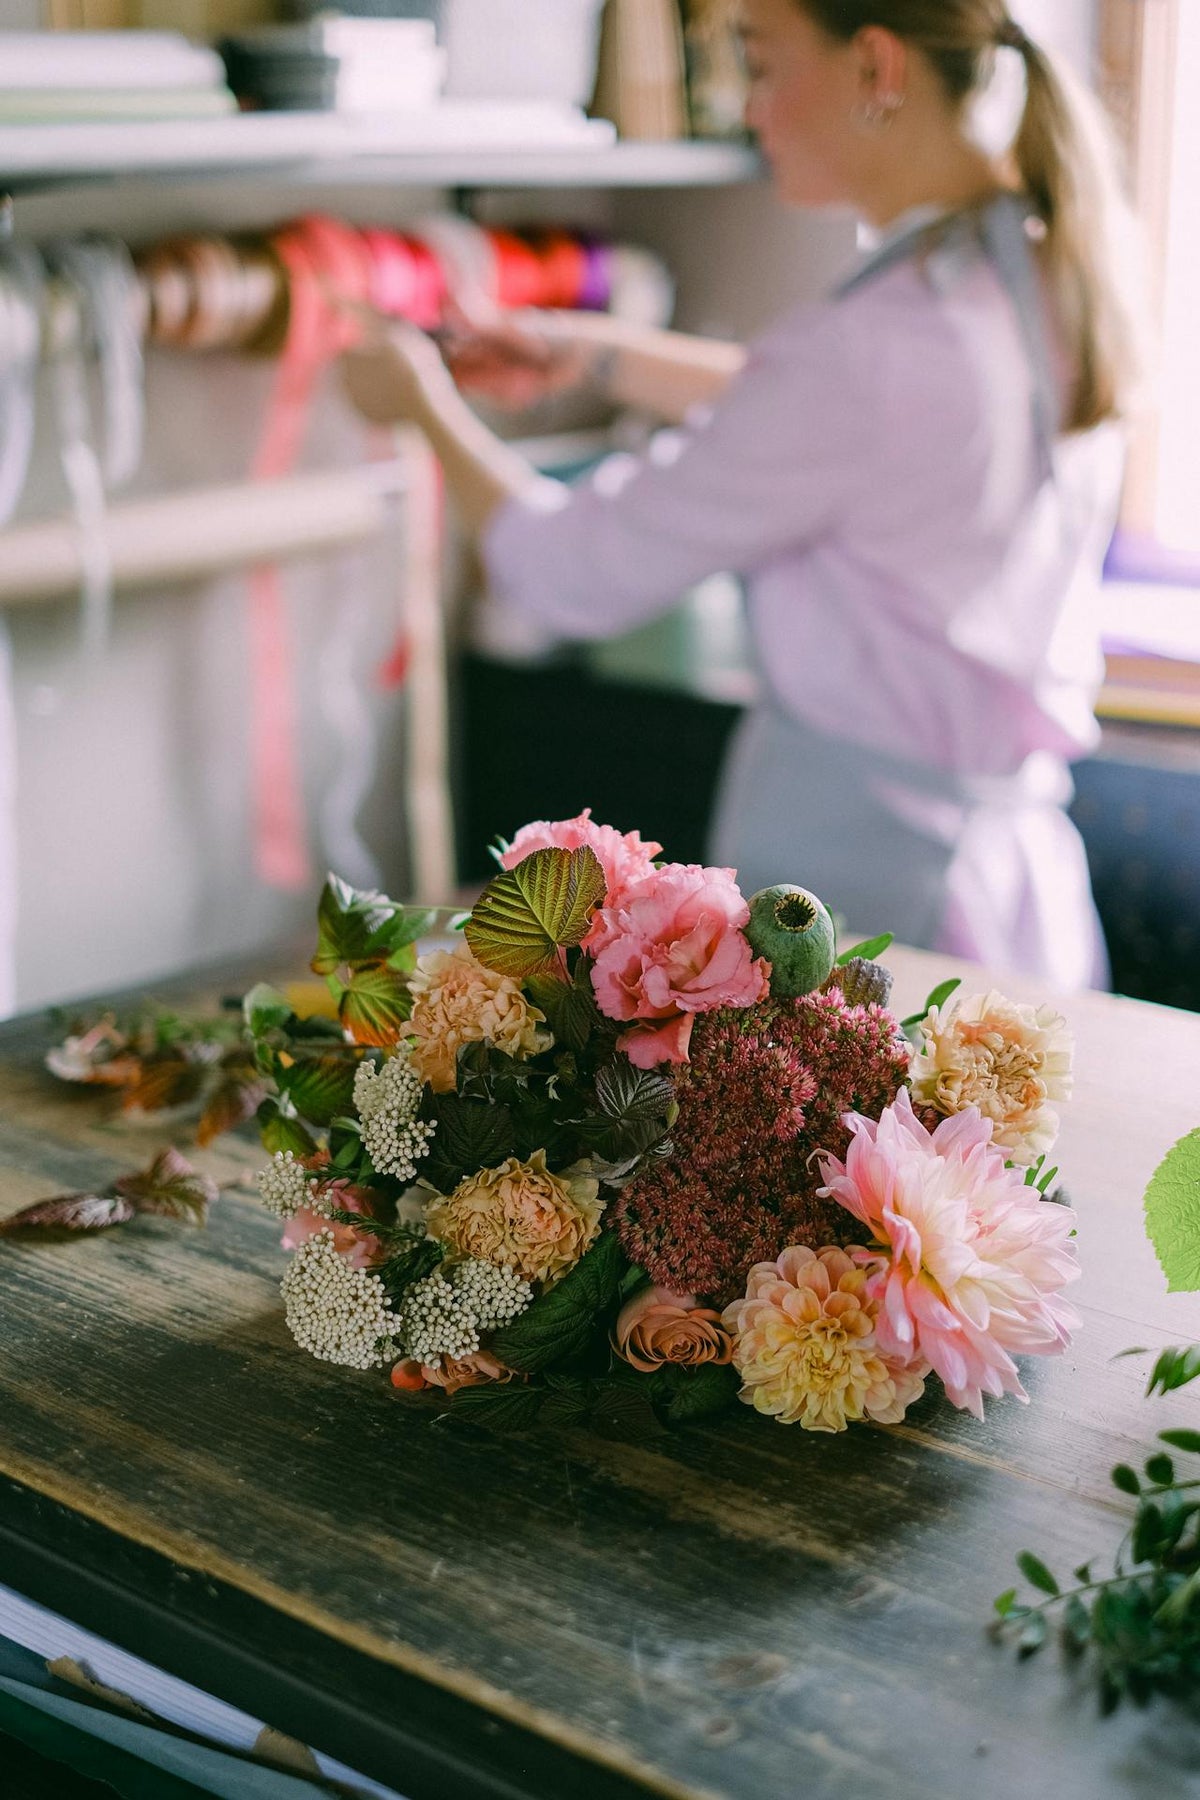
x: 57, y: 76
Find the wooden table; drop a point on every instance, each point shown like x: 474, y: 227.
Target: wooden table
x: 742, y: 1610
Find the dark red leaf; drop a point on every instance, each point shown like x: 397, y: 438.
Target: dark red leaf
x: 170, y: 1186
x: 68, y: 1216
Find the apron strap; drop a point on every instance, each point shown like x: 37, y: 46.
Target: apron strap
x: 1001, y: 230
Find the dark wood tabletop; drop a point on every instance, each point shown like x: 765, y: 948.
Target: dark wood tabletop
x: 738, y: 1610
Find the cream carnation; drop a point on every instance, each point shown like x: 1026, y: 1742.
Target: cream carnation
x: 458, y: 1001
x: 522, y: 1217
x: 805, y: 1344
x: 1009, y: 1061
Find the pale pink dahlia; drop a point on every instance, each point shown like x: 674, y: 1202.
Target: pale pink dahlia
x: 623, y: 856
x: 975, y: 1260
x: 766, y: 1086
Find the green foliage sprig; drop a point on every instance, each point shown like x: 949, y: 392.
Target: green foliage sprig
x: 1139, y: 1627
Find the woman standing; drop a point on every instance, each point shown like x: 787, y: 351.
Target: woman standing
x: 917, y: 478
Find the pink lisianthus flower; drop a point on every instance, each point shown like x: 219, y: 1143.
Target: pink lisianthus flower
x: 974, y: 1261
x: 623, y: 856
x: 673, y: 948
x: 361, y: 1249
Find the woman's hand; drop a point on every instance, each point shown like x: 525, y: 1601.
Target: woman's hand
x: 393, y: 373
x: 517, y: 359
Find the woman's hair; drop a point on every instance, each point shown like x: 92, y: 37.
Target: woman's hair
x: 1068, y: 168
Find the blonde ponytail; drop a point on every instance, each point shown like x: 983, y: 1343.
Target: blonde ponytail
x: 1068, y: 168
x: 1067, y: 164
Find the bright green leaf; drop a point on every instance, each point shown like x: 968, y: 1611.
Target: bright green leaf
x: 279, y: 1131
x: 320, y: 1088
x: 1172, y: 1207
x: 526, y: 915
x: 1036, y: 1572
x: 266, y: 1009
x: 1004, y: 1603
x: 869, y: 950
x: 375, y: 1005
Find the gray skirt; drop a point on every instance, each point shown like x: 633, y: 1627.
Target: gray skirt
x: 990, y: 868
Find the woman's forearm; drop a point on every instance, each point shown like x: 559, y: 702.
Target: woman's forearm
x: 481, y: 471
x: 661, y: 372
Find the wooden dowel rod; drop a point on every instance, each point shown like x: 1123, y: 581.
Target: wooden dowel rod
x: 201, y: 531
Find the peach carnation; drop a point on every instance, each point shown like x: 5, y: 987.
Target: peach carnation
x: 973, y: 1260
x: 522, y: 1217
x: 1009, y: 1061
x: 657, y: 1326
x: 457, y: 1000
x: 806, y: 1348
x: 623, y: 856
x: 673, y: 948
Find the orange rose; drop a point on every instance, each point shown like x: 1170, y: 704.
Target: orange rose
x: 454, y: 1372
x: 657, y: 1327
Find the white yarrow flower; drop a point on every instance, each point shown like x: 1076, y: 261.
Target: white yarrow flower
x: 495, y: 1295
x: 387, y: 1097
x: 436, y: 1320
x: 337, y: 1313
x: 285, y: 1185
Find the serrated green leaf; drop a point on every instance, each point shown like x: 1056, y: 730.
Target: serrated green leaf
x: 347, y: 921
x: 562, y: 1322
x: 526, y: 915
x: 1182, y: 1439
x: 630, y: 1094
x: 320, y: 1087
x: 500, y: 1406
x: 1172, y: 1209
x: 869, y: 949
x: 470, y: 1135
x: 266, y: 1009
x: 375, y: 1005
x: 1036, y: 1572
x: 571, y: 1010
x: 279, y: 1131
x: 698, y: 1393
x: 1126, y: 1479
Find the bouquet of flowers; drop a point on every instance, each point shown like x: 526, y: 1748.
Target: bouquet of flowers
x: 625, y: 1147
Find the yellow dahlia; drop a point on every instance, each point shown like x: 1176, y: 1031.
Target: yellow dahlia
x: 805, y: 1346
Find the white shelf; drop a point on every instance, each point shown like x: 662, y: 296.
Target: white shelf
x: 446, y: 147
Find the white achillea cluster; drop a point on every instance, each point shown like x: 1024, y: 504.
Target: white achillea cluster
x: 492, y: 1294
x: 336, y: 1313
x: 436, y: 1321
x: 387, y: 1097
x: 285, y: 1185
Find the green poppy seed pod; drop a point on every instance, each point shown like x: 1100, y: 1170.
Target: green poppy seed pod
x: 793, y: 930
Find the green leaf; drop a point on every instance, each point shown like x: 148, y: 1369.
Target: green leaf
x: 470, y: 1135
x: 1172, y: 1208
x: 1076, y: 1626
x: 1126, y: 1479
x: 570, y: 1008
x: 375, y: 1004
x: 266, y: 1009
x: 320, y: 1087
x: 623, y: 1407
x: 1147, y: 1532
x: 869, y: 950
x: 1182, y: 1439
x: 561, y: 1323
x: 356, y: 927
x: 1036, y: 1572
x: 1174, y: 1369
x: 500, y: 1406
x: 526, y: 915
x: 634, y: 1095
x: 279, y: 1131
x: 690, y: 1394
x: 171, y: 1187
x: 938, y: 997
x: 67, y: 1216
x: 1160, y: 1470
x: 1004, y: 1603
